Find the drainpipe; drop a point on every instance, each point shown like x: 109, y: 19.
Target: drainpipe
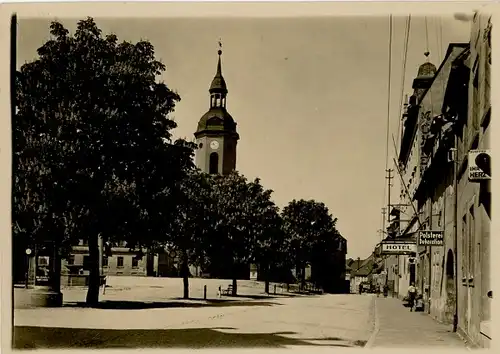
x: 455, y: 225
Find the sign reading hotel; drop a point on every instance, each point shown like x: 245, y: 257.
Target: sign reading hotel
x: 398, y: 248
x: 479, y: 165
x: 431, y: 238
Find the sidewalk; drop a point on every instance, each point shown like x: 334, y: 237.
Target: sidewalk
x: 398, y: 327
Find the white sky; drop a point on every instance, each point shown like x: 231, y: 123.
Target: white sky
x: 309, y: 96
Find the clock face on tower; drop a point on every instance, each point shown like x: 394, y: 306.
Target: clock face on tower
x: 214, y: 144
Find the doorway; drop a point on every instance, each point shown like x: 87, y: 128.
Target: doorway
x: 450, y: 287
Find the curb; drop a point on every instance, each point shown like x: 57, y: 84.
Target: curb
x: 469, y: 345
x: 376, y: 329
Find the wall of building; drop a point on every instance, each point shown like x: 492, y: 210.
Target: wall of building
x: 355, y: 281
x: 202, y: 154
x: 411, y: 177
x: 391, y: 266
x: 121, y: 262
x: 474, y: 227
x: 436, y: 199
x: 229, y: 163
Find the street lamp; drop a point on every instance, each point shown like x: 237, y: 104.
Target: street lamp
x: 28, y: 252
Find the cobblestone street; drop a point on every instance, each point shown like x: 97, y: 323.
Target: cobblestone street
x: 251, y: 320
x: 151, y: 315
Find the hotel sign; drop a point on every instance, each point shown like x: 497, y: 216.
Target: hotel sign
x: 399, y: 248
x: 431, y: 238
x: 479, y: 165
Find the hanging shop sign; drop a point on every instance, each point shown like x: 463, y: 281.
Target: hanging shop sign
x: 430, y: 238
x: 401, y: 248
x: 479, y: 165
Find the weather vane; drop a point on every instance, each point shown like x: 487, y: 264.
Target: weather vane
x: 220, y: 46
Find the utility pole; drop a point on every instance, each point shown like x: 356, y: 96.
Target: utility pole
x: 389, y: 185
x: 383, y: 223
x: 455, y: 229
x: 389, y: 178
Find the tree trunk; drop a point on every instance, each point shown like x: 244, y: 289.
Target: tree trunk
x: 265, y: 268
x: 55, y: 282
x: 94, y: 278
x: 185, y: 274
x: 303, y: 277
x: 235, y: 286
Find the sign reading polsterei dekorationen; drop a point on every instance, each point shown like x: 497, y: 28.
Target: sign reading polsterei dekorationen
x: 430, y: 238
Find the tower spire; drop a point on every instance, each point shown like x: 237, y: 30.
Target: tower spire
x: 218, y: 83
x: 219, y: 66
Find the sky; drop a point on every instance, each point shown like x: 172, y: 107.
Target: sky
x: 310, y: 97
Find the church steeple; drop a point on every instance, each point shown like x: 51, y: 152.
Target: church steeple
x: 216, y: 135
x: 218, y: 88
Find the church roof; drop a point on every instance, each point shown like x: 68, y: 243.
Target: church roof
x: 217, y: 118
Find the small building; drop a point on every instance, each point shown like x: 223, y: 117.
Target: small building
x: 360, y: 271
x: 120, y: 261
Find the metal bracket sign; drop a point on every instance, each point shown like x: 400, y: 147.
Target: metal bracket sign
x: 400, y: 248
x: 431, y: 238
x: 479, y: 165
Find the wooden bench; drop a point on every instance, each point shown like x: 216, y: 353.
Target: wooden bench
x: 228, y: 291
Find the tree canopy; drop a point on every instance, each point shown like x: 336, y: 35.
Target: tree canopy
x: 93, y: 150
x: 93, y: 156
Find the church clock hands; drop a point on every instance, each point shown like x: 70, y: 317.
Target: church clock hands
x: 214, y: 144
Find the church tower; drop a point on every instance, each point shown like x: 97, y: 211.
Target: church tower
x: 216, y: 134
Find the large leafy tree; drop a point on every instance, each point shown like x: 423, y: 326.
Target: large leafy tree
x: 268, y: 243
x: 244, y: 216
x: 93, y: 154
x: 306, y: 222
x: 328, y: 260
x: 191, y: 221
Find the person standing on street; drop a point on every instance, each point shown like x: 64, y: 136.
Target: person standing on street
x: 412, y: 294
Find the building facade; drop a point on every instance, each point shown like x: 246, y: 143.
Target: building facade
x: 403, y: 267
x: 435, y: 192
x: 474, y: 196
x: 446, y: 126
x: 119, y: 260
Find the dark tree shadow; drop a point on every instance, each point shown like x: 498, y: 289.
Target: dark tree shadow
x: 26, y: 337
x: 140, y: 305
x: 243, y: 296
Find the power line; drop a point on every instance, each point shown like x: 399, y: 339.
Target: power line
x: 441, y: 34
x: 388, y: 103
x: 389, y: 95
x: 403, y: 75
x: 404, y: 185
x: 438, y: 44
